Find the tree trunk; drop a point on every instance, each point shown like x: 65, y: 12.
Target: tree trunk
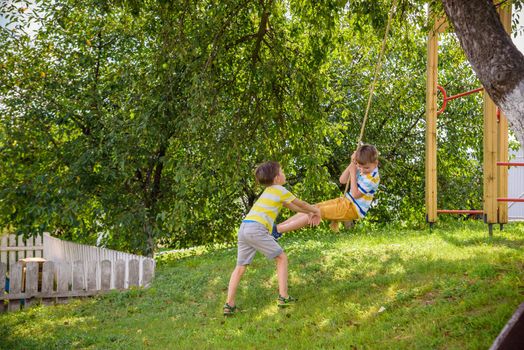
x: 150, y: 240
x: 499, y: 65
x: 151, y: 195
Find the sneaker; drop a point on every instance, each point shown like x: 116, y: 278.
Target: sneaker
x: 229, y: 310
x: 285, y: 302
x: 276, y: 235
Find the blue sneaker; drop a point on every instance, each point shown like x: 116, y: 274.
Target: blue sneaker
x: 276, y: 235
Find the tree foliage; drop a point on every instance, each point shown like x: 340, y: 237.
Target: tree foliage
x: 140, y: 122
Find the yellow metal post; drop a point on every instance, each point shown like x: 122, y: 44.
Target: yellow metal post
x: 431, y: 126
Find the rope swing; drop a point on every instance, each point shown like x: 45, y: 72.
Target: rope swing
x: 378, y: 67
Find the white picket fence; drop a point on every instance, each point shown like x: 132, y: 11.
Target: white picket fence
x: 65, y: 269
x: 14, y: 248
x: 58, y: 250
x: 49, y: 282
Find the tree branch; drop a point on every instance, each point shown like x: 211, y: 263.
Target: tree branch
x: 262, y: 30
x: 220, y: 33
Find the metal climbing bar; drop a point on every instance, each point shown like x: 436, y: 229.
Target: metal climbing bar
x: 509, y: 164
x: 446, y: 98
x: 459, y: 211
x: 510, y: 199
x: 465, y: 93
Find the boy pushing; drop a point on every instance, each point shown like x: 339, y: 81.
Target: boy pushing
x: 255, y: 231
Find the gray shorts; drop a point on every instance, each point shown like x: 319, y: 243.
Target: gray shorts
x: 253, y: 237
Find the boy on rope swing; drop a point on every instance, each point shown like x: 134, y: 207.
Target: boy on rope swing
x: 363, y: 177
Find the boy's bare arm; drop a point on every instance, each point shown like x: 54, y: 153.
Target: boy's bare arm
x: 314, y: 217
x: 294, y: 207
x: 354, y: 184
x: 346, y: 174
x: 300, y: 206
x: 350, y: 174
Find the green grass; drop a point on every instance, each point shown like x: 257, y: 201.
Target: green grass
x: 452, y: 288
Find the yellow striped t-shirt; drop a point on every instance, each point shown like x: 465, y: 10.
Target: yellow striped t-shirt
x: 268, y: 205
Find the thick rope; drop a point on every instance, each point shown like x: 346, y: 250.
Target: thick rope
x: 378, y: 67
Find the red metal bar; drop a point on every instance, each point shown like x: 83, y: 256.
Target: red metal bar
x: 446, y: 98
x: 510, y: 199
x: 510, y: 164
x: 459, y: 211
x: 465, y: 93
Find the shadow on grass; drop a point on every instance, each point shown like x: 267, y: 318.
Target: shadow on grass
x: 496, y: 240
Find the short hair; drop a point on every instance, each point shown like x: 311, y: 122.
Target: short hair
x: 266, y: 172
x: 366, y: 154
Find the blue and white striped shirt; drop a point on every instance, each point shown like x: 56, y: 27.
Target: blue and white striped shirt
x: 368, y: 186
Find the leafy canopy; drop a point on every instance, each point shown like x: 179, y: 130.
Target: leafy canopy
x: 139, y: 123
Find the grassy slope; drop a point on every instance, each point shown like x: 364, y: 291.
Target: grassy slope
x: 453, y: 288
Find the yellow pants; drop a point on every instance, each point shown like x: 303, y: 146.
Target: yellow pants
x: 338, y: 209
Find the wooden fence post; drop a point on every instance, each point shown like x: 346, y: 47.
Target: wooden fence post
x: 12, y: 254
x: 120, y: 274
x: 3, y: 271
x: 134, y: 273
x: 148, y: 270
x: 105, y: 275
x: 3, y: 244
x: 39, y: 241
x: 78, y: 275
x: 63, y: 280
x: 48, y: 282
x: 29, y: 244
x: 91, y: 278
x: 31, y: 282
x: 15, y: 284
